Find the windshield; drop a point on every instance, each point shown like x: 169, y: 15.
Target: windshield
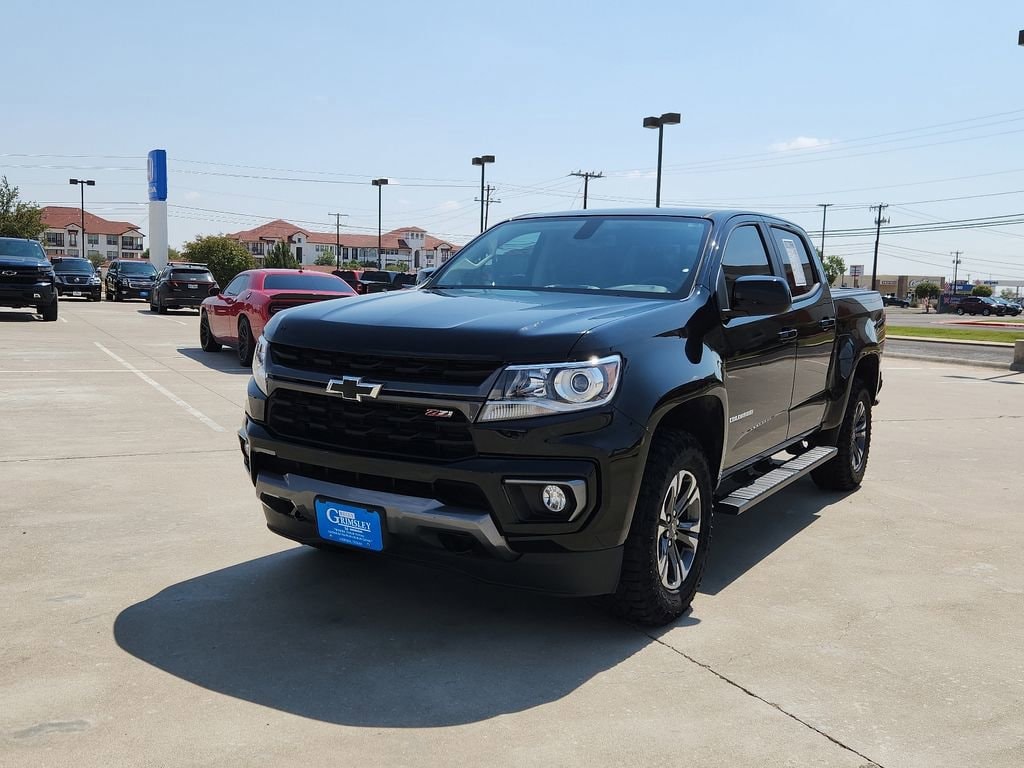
x: 305, y: 282
x: 631, y: 254
x: 137, y: 268
x: 27, y: 248
x: 200, y: 275
x: 73, y: 266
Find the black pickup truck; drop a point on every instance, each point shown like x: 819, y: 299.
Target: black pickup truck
x: 27, y: 277
x: 565, y: 404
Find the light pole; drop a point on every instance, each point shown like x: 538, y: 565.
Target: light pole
x: 379, y: 184
x: 482, y: 161
x: 82, y: 184
x: 669, y: 118
x: 824, y: 210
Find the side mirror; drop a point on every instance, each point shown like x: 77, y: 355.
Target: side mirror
x: 760, y: 295
x: 215, y: 291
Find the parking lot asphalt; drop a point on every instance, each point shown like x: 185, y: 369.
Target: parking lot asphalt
x: 148, y: 618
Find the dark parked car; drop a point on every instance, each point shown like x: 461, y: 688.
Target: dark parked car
x: 379, y: 281
x: 353, y: 277
x: 979, y: 305
x: 1009, y: 307
x: 892, y: 300
x: 27, y: 277
x: 567, y: 402
x: 129, y: 279
x: 181, y: 285
x: 76, y: 277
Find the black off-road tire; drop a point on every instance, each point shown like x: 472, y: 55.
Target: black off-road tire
x: 246, y: 343
x: 960, y: 310
x: 48, y: 311
x: 207, y: 340
x: 642, y: 597
x: 843, y: 473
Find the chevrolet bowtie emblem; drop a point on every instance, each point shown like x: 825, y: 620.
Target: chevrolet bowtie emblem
x: 353, y: 388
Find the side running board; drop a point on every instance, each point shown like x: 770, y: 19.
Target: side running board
x: 771, y: 482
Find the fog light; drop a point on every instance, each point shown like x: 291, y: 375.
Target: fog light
x: 554, y: 498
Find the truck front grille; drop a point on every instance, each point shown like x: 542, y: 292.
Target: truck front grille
x: 401, y: 431
x: 418, y: 370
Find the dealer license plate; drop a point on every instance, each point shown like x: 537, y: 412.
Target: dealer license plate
x: 193, y: 286
x: 349, y: 524
x: 76, y: 293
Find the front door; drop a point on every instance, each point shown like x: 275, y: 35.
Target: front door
x: 813, y: 318
x: 759, y: 354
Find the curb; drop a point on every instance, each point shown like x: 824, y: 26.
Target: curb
x: 965, y: 342
x: 948, y: 361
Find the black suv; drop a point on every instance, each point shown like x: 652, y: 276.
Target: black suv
x: 979, y: 305
x: 181, y: 285
x: 76, y: 277
x: 26, y: 277
x: 129, y: 279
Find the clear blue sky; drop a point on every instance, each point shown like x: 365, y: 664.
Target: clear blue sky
x: 413, y: 90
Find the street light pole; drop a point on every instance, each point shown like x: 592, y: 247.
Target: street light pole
x: 82, y: 184
x: 379, y: 184
x: 482, y: 161
x: 824, y: 209
x: 669, y: 118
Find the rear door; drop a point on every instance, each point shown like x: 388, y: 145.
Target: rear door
x: 759, y: 352
x: 812, y: 316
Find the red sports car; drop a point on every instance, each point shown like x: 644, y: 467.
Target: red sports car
x: 235, y: 317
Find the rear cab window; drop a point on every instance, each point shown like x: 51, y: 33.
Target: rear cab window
x: 797, y: 264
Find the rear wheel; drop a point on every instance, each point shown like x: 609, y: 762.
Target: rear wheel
x: 986, y: 312
x: 846, y: 470
x: 246, y: 344
x: 207, y: 340
x: 666, y: 551
x: 959, y: 310
x: 161, y: 308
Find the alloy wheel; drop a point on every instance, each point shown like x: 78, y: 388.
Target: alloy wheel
x: 859, y: 436
x: 678, y: 529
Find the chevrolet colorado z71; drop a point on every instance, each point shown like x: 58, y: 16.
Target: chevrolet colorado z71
x: 566, y: 403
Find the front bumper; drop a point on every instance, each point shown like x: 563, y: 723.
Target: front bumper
x: 27, y: 295
x: 84, y: 291
x: 462, y: 514
x: 128, y: 292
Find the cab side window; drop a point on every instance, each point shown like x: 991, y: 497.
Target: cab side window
x: 237, y: 285
x: 745, y: 254
x: 796, y: 260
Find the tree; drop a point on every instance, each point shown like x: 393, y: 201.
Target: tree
x: 927, y: 291
x: 224, y: 257
x: 1007, y: 294
x: 97, y: 260
x: 834, y: 266
x: 981, y: 290
x: 18, y: 218
x: 326, y: 259
x: 173, y: 254
x: 280, y: 257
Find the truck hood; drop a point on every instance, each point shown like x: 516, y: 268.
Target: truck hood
x: 509, y: 326
x: 21, y: 261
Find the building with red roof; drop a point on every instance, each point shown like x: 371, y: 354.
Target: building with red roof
x: 109, y: 239
x: 409, y: 244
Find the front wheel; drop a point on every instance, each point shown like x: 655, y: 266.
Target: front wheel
x: 986, y: 312
x: 48, y: 311
x: 846, y: 469
x: 246, y: 344
x: 667, y: 547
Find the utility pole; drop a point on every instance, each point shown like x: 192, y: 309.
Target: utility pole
x: 824, y: 210
x: 879, y: 221
x: 587, y: 176
x: 956, y: 263
x: 487, y: 200
x: 337, y: 237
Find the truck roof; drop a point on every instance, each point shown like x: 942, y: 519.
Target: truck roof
x: 715, y: 214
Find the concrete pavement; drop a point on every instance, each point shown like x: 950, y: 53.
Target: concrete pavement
x: 148, y: 618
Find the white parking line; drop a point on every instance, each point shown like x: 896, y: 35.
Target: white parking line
x: 39, y: 371
x: 164, y: 391
x: 62, y: 319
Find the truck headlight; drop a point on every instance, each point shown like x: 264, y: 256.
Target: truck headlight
x: 259, y: 365
x: 525, y: 391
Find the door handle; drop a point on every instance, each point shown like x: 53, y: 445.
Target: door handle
x: 788, y: 334
x: 828, y: 323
